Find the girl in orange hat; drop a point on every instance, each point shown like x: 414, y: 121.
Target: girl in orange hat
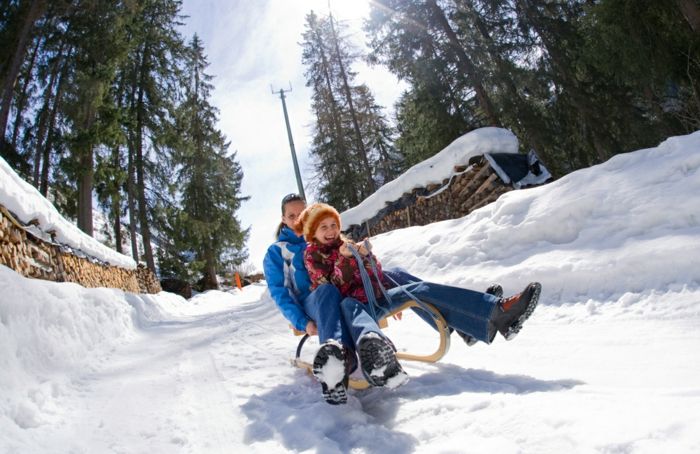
x: 328, y: 260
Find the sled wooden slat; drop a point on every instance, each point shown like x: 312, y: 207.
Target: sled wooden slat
x: 441, y: 350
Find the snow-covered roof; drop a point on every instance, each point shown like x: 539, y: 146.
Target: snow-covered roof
x: 27, y: 204
x: 434, y: 170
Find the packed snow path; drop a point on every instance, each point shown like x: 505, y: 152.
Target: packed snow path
x: 212, y: 376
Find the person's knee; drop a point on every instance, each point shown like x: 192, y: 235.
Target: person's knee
x: 349, y: 302
x: 350, y: 307
x: 328, y: 291
x: 328, y: 295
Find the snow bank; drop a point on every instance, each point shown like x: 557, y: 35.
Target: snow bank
x: 434, y: 170
x: 629, y: 224
x: 49, y: 332
x: 27, y: 204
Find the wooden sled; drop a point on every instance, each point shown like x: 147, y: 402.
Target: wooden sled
x: 442, y: 349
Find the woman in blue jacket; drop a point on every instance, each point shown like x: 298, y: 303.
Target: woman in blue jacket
x: 319, y: 312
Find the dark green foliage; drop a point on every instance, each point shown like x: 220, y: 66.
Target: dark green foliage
x: 577, y: 80
x: 352, y: 143
x: 209, y: 180
x: 95, y: 108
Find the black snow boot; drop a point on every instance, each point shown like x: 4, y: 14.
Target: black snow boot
x: 378, y: 362
x: 495, y: 290
x: 510, y: 313
x: 330, y: 369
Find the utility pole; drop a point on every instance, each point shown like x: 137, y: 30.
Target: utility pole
x: 300, y: 185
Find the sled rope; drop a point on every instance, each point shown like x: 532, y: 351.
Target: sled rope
x: 366, y: 282
x: 369, y: 290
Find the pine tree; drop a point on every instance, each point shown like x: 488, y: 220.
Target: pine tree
x: 352, y: 141
x: 410, y: 38
x: 209, y: 179
x: 655, y: 54
x: 146, y: 94
x: 97, y: 31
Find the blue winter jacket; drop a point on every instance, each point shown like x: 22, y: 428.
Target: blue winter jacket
x: 286, y: 276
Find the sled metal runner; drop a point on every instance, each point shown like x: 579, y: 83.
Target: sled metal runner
x: 440, y: 324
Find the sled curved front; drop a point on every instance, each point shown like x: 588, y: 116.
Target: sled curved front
x: 441, y: 350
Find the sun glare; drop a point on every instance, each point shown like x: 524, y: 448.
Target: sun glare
x: 343, y: 10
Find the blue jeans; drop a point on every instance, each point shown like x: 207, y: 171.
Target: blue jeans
x: 467, y: 311
x: 338, y: 318
x: 323, y: 306
x: 358, y: 320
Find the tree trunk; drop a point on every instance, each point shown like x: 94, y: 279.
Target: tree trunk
x: 141, y: 187
x: 36, y: 10
x: 130, y: 197
x: 210, y: 281
x: 466, y: 64
x: 44, y: 115
x: 85, y: 183
x: 46, y: 161
x: 41, y: 135
x: 140, y: 164
x: 116, y: 205
x: 21, y: 102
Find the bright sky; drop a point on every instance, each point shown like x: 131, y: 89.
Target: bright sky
x: 251, y: 46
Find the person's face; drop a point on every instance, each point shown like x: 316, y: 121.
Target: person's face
x: 292, y: 210
x: 327, y: 231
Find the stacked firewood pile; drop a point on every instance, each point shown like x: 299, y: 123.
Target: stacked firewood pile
x: 17, y: 251
x: 88, y: 274
x: 35, y: 257
x: 471, y: 187
x: 147, y: 280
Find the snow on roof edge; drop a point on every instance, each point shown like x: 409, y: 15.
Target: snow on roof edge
x: 433, y: 170
x: 27, y: 203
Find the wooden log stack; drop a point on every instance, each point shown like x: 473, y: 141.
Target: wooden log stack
x: 470, y: 188
x: 34, y: 257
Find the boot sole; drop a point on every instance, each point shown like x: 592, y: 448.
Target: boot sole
x: 379, y: 364
x: 334, y: 394
x: 516, y: 326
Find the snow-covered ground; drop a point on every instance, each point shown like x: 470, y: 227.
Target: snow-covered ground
x: 609, y: 362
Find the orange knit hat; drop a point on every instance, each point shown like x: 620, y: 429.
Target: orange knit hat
x: 311, y: 217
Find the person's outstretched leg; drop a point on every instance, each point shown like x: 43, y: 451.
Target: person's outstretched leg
x: 331, y: 365
x: 398, y: 276
x: 467, y: 311
x: 376, y: 352
x: 468, y: 339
